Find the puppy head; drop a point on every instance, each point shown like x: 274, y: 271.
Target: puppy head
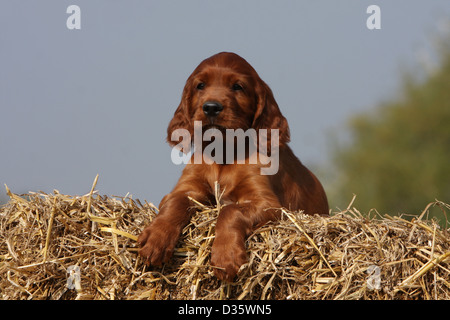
x: 225, y: 92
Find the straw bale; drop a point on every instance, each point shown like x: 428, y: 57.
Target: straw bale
x: 56, y: 246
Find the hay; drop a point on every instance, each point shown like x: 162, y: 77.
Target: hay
x: 55, y: 246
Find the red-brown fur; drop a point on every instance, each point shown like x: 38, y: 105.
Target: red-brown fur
x: 250, y: 199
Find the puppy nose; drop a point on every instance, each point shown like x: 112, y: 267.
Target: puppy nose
x: 212, y: 108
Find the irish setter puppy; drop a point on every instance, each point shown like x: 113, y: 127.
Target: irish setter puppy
x: 224, y: 92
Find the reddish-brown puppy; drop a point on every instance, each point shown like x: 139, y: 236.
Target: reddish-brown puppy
x: 225, y: 92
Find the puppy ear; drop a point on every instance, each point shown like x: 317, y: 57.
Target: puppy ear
x: 181, y: 118
x: 268, y: 115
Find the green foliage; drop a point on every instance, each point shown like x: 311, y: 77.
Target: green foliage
x: 399, y: 158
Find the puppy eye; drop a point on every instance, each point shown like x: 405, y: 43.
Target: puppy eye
x: 201, y: 86
x: 237, y: 87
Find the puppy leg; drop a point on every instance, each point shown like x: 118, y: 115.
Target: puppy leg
x: 234, y: 224
x: 158, y: 240
x: 228, y: 251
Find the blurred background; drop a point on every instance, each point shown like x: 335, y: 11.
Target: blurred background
x: 369, y: 110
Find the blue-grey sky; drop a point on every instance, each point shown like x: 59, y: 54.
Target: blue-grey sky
x: 74, y: 103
